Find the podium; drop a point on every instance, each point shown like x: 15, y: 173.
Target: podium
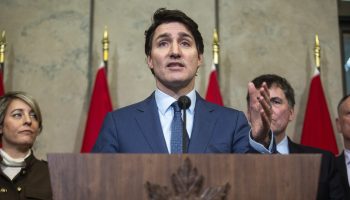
x: 162, y: 176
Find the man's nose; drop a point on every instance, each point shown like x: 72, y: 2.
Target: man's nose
x: 175, y: 51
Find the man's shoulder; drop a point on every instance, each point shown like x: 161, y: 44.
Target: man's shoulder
x: 308, y: 149
x: 218, y: 108
x: 340, y: 158
x: 141, y: 106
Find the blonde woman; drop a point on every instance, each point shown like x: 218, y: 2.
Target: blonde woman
x: 22, y: 176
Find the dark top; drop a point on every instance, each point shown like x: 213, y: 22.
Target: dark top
x: 32, y: 182
x: 340, y: 161
x: 329, y: 186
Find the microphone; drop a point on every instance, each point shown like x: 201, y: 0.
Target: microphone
x: 184, y: 103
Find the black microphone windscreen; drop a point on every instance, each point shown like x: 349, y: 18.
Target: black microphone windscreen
x: 184, y: 102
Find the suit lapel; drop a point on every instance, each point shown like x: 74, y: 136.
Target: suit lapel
x: 293, y: 147
x: 342, y: 169
x: 147, y: 118
x: 341, y: 163
x: 203, y: 124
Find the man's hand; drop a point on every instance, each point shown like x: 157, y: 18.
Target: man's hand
x: 259, y: 113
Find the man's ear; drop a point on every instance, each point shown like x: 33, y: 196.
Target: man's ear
x: 291, y: 114
x: 200, y: 60
x: 149, y: 62
x: 337, y: 122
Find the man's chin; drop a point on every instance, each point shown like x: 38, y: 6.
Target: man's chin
x: 276, y: 132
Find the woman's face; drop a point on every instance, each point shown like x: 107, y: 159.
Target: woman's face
x: 20, y: 127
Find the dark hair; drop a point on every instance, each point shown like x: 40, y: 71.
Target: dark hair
x: 275, y: 80
x: 341, y: 102
x: 161, y: 16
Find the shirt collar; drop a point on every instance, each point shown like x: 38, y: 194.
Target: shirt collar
x: 164, y: 101
x: 7, y: 160
x: 347, y: 156
x: 282, y: 147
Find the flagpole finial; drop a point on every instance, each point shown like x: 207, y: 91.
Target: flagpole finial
x: 105, y: 45
x: 317, y: 52
x: 216, y: 47
x: 2, y: 47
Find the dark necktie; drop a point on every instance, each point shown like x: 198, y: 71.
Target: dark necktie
x: 176, y: 130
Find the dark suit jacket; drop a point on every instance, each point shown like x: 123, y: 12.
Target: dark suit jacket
x: 137, y: 129
x: 340, y: 161
x: 329, y: 186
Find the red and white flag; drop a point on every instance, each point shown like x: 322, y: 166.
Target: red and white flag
x: 213, y: 91
x: 317, y: 129
x: 100, y: 105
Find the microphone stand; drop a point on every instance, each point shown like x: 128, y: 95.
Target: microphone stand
x: 184, y: 103
x: 184, y: 134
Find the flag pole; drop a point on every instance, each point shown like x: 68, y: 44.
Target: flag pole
x: 216, y: 50
x: 317, y: 52
x: 105, y: 48
x: 216, y: 32
x: 2, y: 51
x: 213, y: 91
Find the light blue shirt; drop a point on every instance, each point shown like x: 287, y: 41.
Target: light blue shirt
x: 282, y: 147
x: 347, y: 162
x: 166, y: 114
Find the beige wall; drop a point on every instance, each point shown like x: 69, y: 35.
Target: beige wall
x: 48, y: 53
x: 278, y: 37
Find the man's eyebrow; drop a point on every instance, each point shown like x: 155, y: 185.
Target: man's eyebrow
x: 183, y: 34
x: 163, y: 35
x: 275, y: 98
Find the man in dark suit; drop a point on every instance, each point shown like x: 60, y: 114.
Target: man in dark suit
x: 174, y: 49
x: 343, y: 126
x: 282, y: 102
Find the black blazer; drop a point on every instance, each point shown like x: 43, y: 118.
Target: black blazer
x: 340, y: 161
x: 329, y: 186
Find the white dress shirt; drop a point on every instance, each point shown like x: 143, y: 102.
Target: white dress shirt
x: 282, y: 147
x: 166, y: 113
x: 347, y: 163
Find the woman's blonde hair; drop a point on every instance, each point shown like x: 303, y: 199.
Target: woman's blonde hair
x: 7, y: 98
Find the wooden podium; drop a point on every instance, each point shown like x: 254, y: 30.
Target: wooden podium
x: 204, y: 176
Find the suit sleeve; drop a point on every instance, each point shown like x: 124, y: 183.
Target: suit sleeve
x: 329, y: 179
x: 107, y: 141
x: 241, y: 135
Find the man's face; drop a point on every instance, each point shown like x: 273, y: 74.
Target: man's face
x: 174, y: 57
x: 282, y: 113
x: 343, y: 120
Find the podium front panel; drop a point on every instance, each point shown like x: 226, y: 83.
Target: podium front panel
x: 124, y: 176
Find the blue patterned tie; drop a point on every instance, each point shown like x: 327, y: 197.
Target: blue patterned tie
x: 176, y: 130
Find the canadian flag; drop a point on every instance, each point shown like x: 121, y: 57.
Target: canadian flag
x: 213, y: 91
x: 317, y: 129
x: 100, y: 105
